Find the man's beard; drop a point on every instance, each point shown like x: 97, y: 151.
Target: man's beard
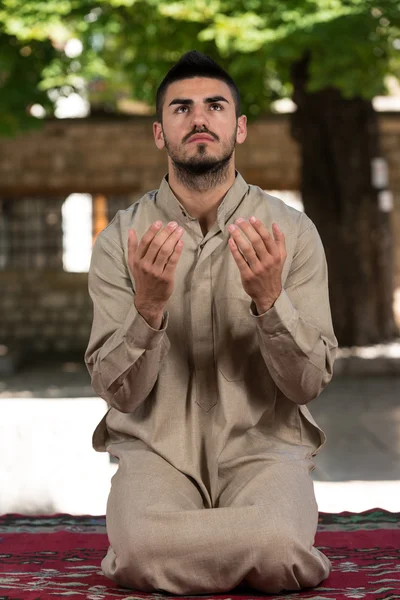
x: 202, y: 172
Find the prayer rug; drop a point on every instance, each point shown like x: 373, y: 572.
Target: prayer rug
x: 58, y: 556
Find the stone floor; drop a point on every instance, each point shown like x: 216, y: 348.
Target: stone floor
x: 49, y: 411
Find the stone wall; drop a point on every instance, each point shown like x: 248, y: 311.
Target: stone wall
x: 118, y: 156
x: 44, y: 308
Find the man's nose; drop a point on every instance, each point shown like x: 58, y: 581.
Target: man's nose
x: 199, y: 116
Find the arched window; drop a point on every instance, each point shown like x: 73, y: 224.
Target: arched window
x: 77, y: 232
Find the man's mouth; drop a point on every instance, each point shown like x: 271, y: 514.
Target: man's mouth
x: 200, y: 137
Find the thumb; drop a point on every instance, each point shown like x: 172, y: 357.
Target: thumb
x: 132, y: 244
x: 279, y: 238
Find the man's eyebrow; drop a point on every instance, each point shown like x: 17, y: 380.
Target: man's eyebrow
x: 180, y: 101
x: 216, y: 99
x: 188, y: 102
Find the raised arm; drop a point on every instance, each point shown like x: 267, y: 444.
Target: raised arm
x: 128, y: 341
x: 296, y: 335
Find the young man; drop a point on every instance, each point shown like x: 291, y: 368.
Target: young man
x: 211, y: 331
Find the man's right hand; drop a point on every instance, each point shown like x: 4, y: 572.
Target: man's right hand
x: 152, y: 263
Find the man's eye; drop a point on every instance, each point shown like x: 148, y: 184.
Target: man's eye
x: 181, y: 109
x: 218, y: 106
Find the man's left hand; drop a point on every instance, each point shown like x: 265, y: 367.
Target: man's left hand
x: 262, y: 262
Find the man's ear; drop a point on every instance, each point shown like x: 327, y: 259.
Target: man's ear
x: 241, y: 130
x: 158, y: 135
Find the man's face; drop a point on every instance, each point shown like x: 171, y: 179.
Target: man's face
x: 199, y: 126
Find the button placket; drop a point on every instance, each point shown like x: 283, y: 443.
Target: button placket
x: 202, y: 335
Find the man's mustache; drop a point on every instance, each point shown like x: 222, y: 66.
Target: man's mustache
x: 197, y: 132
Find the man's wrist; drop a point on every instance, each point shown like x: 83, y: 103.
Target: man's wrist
x: 263, y: 306
x: 153, y: 320
x: 153, y: 316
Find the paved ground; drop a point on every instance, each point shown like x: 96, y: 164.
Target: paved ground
x: 48, y: 378
x: 359, y: 467
x: 360, y: 413
x: 361, y: 417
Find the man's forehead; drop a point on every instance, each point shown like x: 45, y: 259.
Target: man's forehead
x: 197, y: 88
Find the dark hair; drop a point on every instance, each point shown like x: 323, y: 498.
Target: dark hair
x: 194, y: 64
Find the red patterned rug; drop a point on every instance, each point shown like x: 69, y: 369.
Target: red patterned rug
x: 58, y: 556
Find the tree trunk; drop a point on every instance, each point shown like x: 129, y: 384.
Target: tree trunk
x: 338, y: 138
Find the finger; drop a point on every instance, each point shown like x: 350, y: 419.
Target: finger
x: 132, y: 246
x: 255, y: 239
x: 158, y: 240
x: 167, y: 249
x: 279, y: 238
x: 244, y: 245
x: 267, y: 238
x: 147, y: 239
x: 173, y: 259
x: 240, y: 261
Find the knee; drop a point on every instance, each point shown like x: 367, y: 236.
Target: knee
x: 132, y: 554
x: 280, y: 544
x: 285, y: 562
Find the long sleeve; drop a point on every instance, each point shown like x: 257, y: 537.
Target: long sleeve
x: 296, y: 336
x: 124, y: 353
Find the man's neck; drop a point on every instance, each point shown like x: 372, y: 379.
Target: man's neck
x: 202, y: 205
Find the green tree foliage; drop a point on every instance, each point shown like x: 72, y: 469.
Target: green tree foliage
x: 128, y: 45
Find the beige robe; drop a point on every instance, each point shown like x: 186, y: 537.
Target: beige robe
x: 217, y: 392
